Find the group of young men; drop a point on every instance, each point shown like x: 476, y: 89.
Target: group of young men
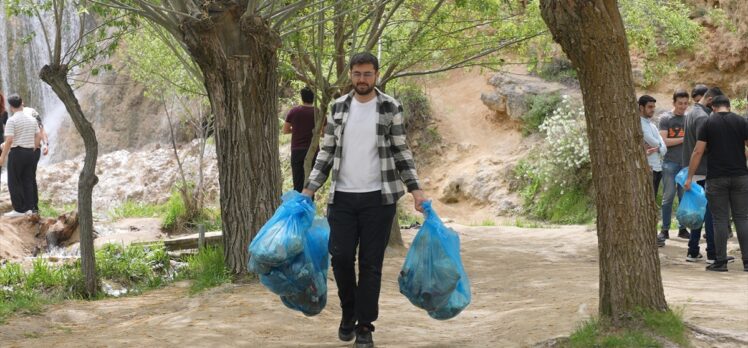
x: 709, y: 140
x: 24, y: 141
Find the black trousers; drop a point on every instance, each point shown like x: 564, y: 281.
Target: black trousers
x: 297, y: 167
x: 359, y: 220
x: 21, y: 178
x: 656, y: 178
x: 35, y: 196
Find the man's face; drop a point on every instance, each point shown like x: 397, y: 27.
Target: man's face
x: 364, y: 77
x: 648, y: 110
x: 680, y: 105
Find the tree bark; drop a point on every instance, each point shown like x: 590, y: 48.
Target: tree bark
x: 55, y: 76
x: 238, y: 57
x: 592, y: 35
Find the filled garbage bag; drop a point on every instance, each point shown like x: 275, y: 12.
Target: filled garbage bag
x: 282, y: 237
x: 692, y: 206
x: 432, y: 277
x: 302, y: 281
x: 460, y: 297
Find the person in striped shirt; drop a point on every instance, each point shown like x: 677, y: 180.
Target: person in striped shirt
x: 21, y: 138
x: 364, y: 146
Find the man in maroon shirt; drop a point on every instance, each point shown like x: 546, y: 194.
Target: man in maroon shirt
x: 300, y: 124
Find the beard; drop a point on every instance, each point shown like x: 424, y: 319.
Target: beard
x: 364, y: 89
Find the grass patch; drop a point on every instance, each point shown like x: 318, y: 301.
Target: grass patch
x: 557, y: 204
x: 646, y: 329
x: 132, y: 209
x: 22, y: 301
x: 527, y: 223
x: 136, y: 267
x: 47, y: 209
x: 206, y: 269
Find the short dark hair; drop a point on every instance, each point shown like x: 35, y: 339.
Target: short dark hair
x: 15, y: 100
x: 720, y: 101
x: 646, y: 99
x: 713, y: 92
x: 679, y: 93
x: 364, y: 58
x: 699, y: 89
x: 307, y: 96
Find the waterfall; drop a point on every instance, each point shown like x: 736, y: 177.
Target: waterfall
x: 23, y: 52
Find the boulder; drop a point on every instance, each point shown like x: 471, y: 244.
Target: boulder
x: 512, y: 93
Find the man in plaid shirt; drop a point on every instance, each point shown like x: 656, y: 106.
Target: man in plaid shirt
x: 365, y: 147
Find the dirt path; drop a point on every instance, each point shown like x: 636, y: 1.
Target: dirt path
x: 473, y: 139
x: 529, y: 285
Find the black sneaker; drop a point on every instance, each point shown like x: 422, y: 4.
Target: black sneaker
x: 745, y: 265
x: 683, y: 233
x: 664, y: 234
x: 363, y: 336
x: 347, y: 330
x: 694, y: 258
x: 730, y: 259
x: 717, y: 267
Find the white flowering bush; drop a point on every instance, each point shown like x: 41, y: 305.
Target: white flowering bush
x: 566, y: 149
x: 555, y: 179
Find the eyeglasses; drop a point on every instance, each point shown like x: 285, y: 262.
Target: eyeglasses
x: 366, y: 75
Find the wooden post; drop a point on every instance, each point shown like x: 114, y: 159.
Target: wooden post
x: 200, y: 237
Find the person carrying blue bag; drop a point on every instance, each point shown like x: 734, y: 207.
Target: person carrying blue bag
x: 724, y: 136
x: 365, y: 152
x: 433, y: 277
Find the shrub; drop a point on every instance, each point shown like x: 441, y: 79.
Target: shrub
x: 555, y: 179
x: 539, y: 107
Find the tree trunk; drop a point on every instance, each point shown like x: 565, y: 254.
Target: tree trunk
x: 396, y: 237
x: 238, y: 58
x: 56, y: 77
x: 592, y: 35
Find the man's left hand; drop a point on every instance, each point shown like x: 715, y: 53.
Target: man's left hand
x: 418, y: 198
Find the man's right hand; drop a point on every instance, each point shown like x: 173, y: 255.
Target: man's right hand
x: 307, y: 192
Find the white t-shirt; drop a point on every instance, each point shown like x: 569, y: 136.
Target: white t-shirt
x: 23, y: 128
x: 360, y: 167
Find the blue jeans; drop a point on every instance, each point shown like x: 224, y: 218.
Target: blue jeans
x: 669, y: 188
x: 693, y: 242
x: 725, y: 195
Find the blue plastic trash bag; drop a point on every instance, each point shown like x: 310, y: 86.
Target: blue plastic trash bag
x: 692, y: 207
x: 432, y: 277
x: 460, y: 297
x: 282, y: 237
x: 302, y: 281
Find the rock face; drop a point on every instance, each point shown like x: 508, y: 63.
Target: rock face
x: 145, y: 176
x: 510, y: 99
x: 486, y: 182
x: 122, y: 116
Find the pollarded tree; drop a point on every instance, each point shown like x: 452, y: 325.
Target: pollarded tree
x: 235, y: 45
x: 412, y: 37
x: 592, y: 35
x: 71, y: 48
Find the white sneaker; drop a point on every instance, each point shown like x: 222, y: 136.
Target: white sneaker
x: 14, y: 213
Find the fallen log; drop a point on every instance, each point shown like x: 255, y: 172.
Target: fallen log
x: 191, y: 241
